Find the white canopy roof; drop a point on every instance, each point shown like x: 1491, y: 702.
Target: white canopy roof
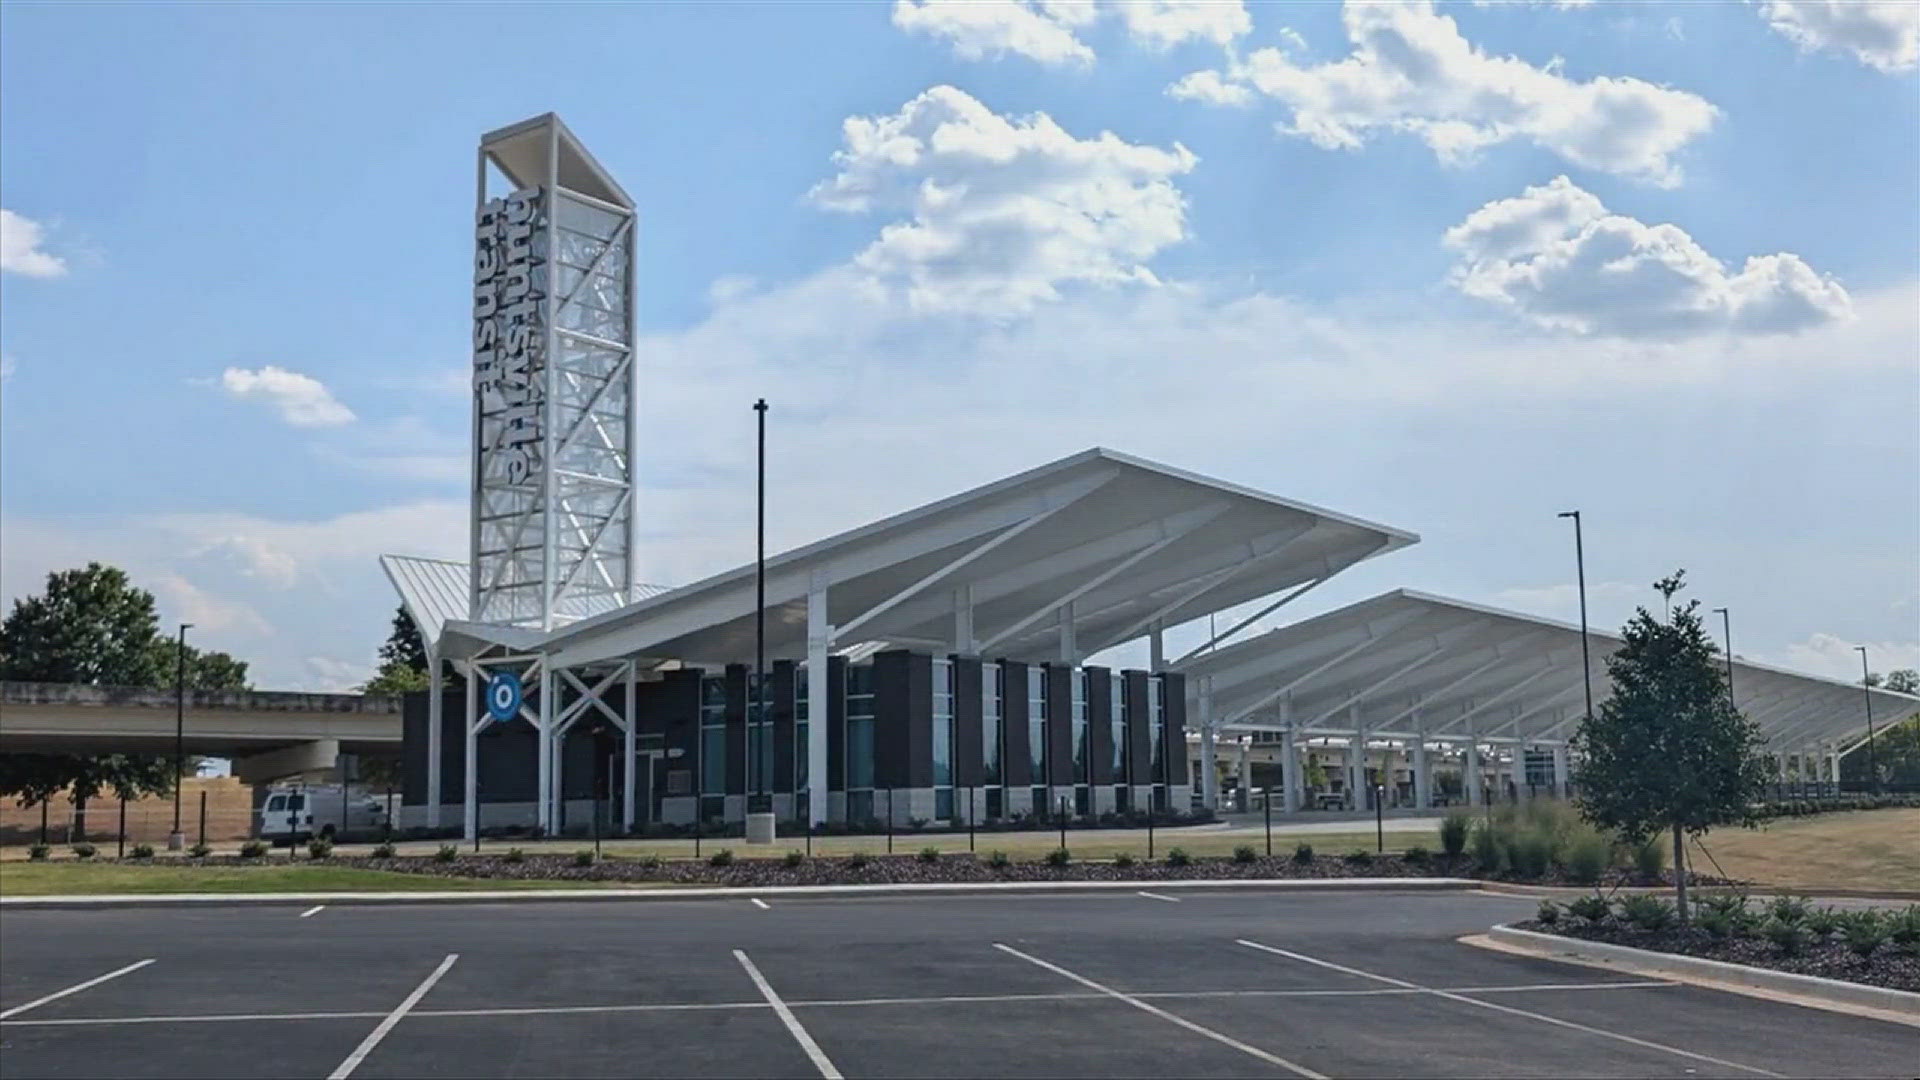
x: 1069, y: 558
x: 1405, y: 658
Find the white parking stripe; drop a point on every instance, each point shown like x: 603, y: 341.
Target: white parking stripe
x: 1157, y: 896
x: 759, y: 903
x: 1510, y: 1010
x: 1181, y: 1021
x: 818, y: 1056
x: 380, y: 1030
x: 76, y: 988
x: 314, y: 910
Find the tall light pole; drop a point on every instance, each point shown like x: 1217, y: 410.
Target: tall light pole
x: 177, y: 839
x: 1580, y: 566
x: 1866, y: 688
x: 760, y: 618
x: 1726, y: 632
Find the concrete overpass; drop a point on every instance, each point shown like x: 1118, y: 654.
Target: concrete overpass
x: 266, y: 734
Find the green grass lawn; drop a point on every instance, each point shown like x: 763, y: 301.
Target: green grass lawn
x: 69, y: 878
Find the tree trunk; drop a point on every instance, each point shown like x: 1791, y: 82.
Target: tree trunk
x: 1680, y: 875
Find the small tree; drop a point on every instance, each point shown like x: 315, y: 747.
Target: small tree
x: 1667, y: 751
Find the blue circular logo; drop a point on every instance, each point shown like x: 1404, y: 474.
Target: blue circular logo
x: 503, y: 695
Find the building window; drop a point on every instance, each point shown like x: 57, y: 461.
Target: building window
x: 713, y: 747
x: 1157, y: 741
x: 759, y: 739
x: 802, y: 803
x: 943, y: 740
x: 1082, y: 748
x: 1037, y: 739
x: 993, y: 689
x: 1117, y: 715
x: 859, y: 763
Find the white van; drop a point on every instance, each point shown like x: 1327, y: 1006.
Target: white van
x: 316, y: 810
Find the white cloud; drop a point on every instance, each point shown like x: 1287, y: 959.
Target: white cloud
x: 283, y: 553
x: 1045, y: 30
x: 1411, y: 71
x: 1834, y: 656
x: 20, y: 248
x: 7, y: 366
x: 1562, y: 601
x: 1000, y: 212
x: 302, y: 400
x: 1211, y: 88
x: 1883, y: 34
x: 1555, y: 256
x: 328, y: 675
x: 184, y: 601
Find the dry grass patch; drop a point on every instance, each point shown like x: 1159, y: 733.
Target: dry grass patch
x: 1877, y: 850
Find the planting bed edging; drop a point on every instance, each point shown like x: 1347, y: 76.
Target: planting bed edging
x: 476, y: 896
x: 1880, y: 1002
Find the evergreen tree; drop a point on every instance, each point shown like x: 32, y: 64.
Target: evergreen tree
x: 1667, y: 751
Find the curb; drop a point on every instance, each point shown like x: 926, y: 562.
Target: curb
x: 1878, y: 1002
x: 743, y: 892
x: 1510, y: 888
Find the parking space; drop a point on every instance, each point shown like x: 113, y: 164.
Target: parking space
x: 1040, y: 985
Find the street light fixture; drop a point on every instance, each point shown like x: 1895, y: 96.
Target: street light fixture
x: 1726, y: 631
x: 1866, y: 688
x: 763, y: 797
x: 178, y: 839
x: 1580, y: 564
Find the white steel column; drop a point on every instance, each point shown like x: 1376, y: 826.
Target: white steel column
x: 1422, y: 781
x: 470, y: 802
x: 435, y: 707
x: 1067, y: 646
x: 1243, y: 772
x: 819, y: 641
x: 963, y: 639
x: 1209, y: 749
x: 1560, y: 772
x: 627, y: 773
x: 1156, y: 649
x: 1356, y: 760
x: 1290, y: 758
x: 1833, y: 763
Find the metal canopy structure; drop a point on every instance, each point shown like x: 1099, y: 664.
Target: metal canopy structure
x: 1412, y: 666
x: 1055, y: 563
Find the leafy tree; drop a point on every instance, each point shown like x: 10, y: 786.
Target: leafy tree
x: 1896, y: 753
x: 403, y: 660
x: 1903, y: 681
x: 1667, y: 751
x: 92, y: 626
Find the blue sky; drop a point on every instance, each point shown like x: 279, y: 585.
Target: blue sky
x: 1343, y: 267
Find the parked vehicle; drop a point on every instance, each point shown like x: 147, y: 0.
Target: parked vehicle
x: 322, y: 810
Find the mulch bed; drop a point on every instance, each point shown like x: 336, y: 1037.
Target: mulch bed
x: 1829, y: 959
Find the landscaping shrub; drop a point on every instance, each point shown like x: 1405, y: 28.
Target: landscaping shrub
x: 648, y: 862
x: 1178, y: 857
x: 1789, y: 909
x: 84, y: 850
x: 383, y: 850
x: 1529, y: 853
x: 200, y: 850
x: 723, y: 857
x: 1058, y: 857
x: 446, y: 853
x: 1587, y: 857
x: 1822, y: 922
x: 856, y: 860
x: 1788, y: 937
x: 1487, y: 852
x: 142, y: 851
x: 514, y: 855
x: 930, y: 854
x: 794, y: 860
x: 1417, y: 855
x: 583, y: 857
x: 1123, y: 861
x: 253, y: 849
x: 1549, y: 912
x: 1718, y: 924
x: 1863, y: 932
x: 1903, y: 929
x: 1359, y: 857
x: 1651, y: 913
x: 1650, y: 859
x: 38, y: 852
x: 998, y: 860
x: 1303, y: 854
x: 1591, y: 908
x: 1245, y: 854
x: 1453, y: 833
x: 319, y: 848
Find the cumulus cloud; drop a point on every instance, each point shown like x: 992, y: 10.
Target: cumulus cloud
x: 207, y: 612
x: 1412, y: 71
x: 1834, y: 656
x: 283, y: 553
x: 1883, y: 34
x: 21, y: 250
x: 302, y: 400
x: 1557, y: 257
x: 1045, y: 31
x: 999, y: 212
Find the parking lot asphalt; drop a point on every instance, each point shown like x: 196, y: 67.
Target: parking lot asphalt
x: 1111, y: 984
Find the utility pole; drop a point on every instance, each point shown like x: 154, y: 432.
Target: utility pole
x: 760, y: 781
x: 176, y: 839
x: 1873, y: 767
x: 1580, y: 566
